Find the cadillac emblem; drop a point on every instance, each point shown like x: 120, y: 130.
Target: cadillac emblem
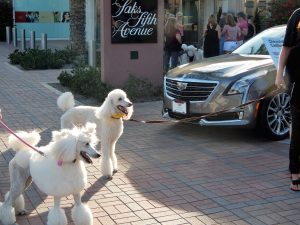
x: 181, y: 86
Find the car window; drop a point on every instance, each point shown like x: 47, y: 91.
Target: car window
x: 256, y: 46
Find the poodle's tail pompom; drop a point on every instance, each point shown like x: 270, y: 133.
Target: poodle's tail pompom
x: 66, y: 101
x: 57, y: 216
x: 81, y: 214
x: 31, y: 138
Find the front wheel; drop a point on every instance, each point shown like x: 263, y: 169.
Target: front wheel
x: 275, y: 116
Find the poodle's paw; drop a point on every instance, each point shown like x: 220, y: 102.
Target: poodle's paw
x: 82, y: 215
x: 22, y: 212
x: 19, y: 206
x: 108, y: 177
x: 7, y: 214
x: 115, y: 171
x: 57, y: 216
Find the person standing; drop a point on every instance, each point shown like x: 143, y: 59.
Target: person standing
x: 212, y: 34
x: 222, y: 23
x: 231, y: 32
x: 172, y: 43
x: 179, y: 20
x: 286, y: 58
x: 243, y: 25
x: 251, y: 29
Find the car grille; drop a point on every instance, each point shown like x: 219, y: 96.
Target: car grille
x: 194, y: 91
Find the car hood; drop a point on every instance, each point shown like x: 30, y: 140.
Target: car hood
x: 224, y: 66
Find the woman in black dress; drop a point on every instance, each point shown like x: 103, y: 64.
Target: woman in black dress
x: 212, y: 35
x: 172, y: 44
x: 290, y: 60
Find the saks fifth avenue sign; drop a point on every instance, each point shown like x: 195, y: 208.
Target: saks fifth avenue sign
x: 134, y: 21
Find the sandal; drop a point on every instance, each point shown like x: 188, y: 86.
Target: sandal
x: 297, y: 183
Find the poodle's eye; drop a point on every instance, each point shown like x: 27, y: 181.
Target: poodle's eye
x: 120, y: 99
x: 87, y: 144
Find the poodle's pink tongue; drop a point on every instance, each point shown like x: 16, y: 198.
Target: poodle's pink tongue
x: 59, y: 162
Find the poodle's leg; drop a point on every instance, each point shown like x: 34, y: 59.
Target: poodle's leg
x: 18, y: 177
x: 106, y: 161
x: 19, y: 203
x: 66, y: 121
x: 7, y: 210
x: 114, y: 159
x: 106, y: 167
x: 81, y: 213
x: 56, y: 214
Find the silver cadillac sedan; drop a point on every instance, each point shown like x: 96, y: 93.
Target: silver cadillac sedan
x: 220, y: 84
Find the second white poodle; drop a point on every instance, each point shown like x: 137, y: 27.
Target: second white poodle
x: 108, y: 118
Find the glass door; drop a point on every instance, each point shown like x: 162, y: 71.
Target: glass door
x: 190, y: 10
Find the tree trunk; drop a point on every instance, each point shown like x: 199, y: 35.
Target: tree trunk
x: 77, y: 26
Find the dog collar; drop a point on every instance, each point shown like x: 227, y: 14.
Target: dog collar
x: 60, y: 162
x: 118, y: 116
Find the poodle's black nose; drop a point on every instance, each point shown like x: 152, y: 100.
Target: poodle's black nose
x: 98, y: 155
x: 129, y: 104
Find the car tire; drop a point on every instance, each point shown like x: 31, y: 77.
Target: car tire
x: 274, y: 117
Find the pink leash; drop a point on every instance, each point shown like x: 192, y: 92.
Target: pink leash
x: 13, y: 133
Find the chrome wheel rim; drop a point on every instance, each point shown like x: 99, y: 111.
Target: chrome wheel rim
x: 279, y: 114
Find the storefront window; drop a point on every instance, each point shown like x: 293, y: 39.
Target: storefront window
x: 49, y: 16
x: 190, y: 10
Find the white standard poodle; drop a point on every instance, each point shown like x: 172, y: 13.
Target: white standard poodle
x: 59, y: 173
x: 190, y: 51
x: 108, y: 118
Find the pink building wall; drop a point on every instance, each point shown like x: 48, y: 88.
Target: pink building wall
x: 116, y: 63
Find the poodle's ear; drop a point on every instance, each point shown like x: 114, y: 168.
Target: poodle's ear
x: 64, y: 147
x: 58, y: 135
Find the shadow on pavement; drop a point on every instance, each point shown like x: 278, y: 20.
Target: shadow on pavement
x: 198, y: 169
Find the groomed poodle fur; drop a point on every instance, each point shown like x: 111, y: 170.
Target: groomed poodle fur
x: 108, y: 118
x: 61, y: 172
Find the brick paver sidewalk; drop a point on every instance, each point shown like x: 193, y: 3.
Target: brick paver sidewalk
x: 169, y: 173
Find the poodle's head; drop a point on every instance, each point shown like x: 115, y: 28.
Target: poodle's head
x: 117, y: 105
x: 184, y: 47
x: 70, y: 145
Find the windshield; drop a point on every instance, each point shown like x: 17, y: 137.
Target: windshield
x: 256, y: 46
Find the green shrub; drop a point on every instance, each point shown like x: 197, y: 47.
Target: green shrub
x: 36, y: 59
x: 85, y: 81
x: 65, y: 79
x: 141, y: 89
x: 16, y: 57
x: 32, y: 59
x: 67, y: 54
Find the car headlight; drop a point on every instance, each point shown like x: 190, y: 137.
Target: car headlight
x: 242, y: 85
